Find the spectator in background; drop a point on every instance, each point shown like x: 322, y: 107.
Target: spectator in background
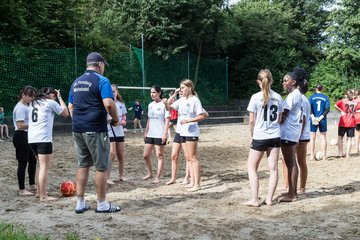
x: 4, y: 129
x: 138, y: 111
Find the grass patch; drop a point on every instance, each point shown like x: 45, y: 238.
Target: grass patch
x: 13, y: 232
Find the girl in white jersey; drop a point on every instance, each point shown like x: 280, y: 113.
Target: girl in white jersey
x: 190, y: 112
x: 117, y: 136
x: 176, y: 147
x: 264, y: 117
x: 41, y: 121
x: 20, y: 140
x: 301, y: 148
x: 291, y: 126
x: 157, y: 127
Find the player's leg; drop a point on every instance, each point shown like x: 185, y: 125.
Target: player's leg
x: 341, y: 133
x: 135, y: 124
x: 301, y: 159
x: 175, y: 152
x: 273, y: 159
x: 120, y: 153
x: 1, y: 131
x: 312, y: 145
x: 159, y: 149
x: 350, y: 134
x: 195, y: 167
x: 44, y: 162
x: 147, y: 154
x: 112, y: 159
x: 253, y: 162
x: 288, y: 151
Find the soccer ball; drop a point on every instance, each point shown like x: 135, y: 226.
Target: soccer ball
x: 318, y: 155
x: 333, y: 142
x: 68, y: 188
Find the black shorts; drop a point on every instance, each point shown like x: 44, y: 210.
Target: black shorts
x: 188, y: 139
x: 357, y: 127
x: 154, y: 141
x: 288, y: 143
x: 177, y: 138
x: 263, y: 145
x: 350, y: 131
x: 304, y: 140
x: 138, y: 117
x: 117, y: 139
x: 173, y: 121
x: 41, y: 148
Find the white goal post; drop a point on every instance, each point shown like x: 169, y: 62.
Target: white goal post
x: 145, y: 88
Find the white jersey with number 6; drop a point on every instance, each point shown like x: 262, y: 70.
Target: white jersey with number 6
x: 267, y: 117
x: 41, y: 120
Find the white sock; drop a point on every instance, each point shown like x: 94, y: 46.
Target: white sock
x: 80, y: 203
x: 102, y: 206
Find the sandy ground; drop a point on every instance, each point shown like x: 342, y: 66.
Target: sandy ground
x: 330, y: 209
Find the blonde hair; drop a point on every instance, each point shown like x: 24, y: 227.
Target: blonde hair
x: 190, y: 84
x: 265, y: 77
x: 118, y: 97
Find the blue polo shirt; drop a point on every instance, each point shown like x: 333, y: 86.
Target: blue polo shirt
x: 86, y: 95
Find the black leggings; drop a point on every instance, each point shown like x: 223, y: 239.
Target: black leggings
x: 24, y: 156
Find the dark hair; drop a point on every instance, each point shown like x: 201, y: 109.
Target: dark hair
x: 43, y: 93
x: 28, y: 91
x: 158, y: 90
x: 319, y: 87
x: 305, y: 87
x: 299, y: 75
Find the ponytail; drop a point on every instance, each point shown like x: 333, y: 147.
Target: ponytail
x: 265, y: 77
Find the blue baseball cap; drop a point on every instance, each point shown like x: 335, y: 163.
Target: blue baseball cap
x: 96, y: 57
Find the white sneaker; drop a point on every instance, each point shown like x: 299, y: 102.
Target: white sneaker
x: 24, y: 192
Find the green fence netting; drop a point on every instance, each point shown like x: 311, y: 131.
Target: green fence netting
x: 20, y: 66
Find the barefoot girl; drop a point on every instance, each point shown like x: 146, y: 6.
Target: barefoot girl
x: 264, y: 117
x: 41, y: 121
x: 190, y: 111
x: 291, y: 125
x: 176, y: 147
x: 301, y: 148
x: 117, y: 137
x: 20, y: 140
x: 157, y: 127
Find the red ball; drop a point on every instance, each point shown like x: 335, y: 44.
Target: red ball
x: 68, y: 188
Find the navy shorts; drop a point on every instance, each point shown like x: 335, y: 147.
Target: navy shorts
x: 173, y: 121
x: 117, y: 139
x: 154, y: 141
x: 322, y: 126
x: 188, y: 139
x: 177, y: 138
x: 41, y: 148
x: 350, y: 131
x: 288, y: 143
x: 264, y: 144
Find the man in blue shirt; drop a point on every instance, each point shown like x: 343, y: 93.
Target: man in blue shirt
x: 90, y: 100
x: 320, y: 107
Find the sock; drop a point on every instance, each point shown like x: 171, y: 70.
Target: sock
x: 80, y: 203
x: 102, y: 206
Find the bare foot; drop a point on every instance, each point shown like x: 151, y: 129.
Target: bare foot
x: 185, y: 181
x: 47, y: 198
x: 156, y: 180
x: 251, y: 203
x: 190, y: 185
x: 24, y: 192
x: 147, y: 177
x: 122, y: 179
x: 171, y: 181
x: 301, y: 191
x: 110, y: 182
x: 194, y: 189
x: 287, y: 199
